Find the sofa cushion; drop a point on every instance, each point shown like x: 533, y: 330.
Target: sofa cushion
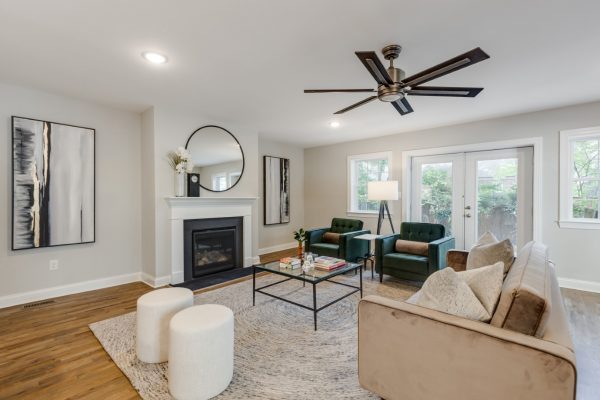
x: 421, y: 232
x: 325, y: 249
x: 411, y: 247
x: 330, y: 237
x: 345, y: 225
x: 525, y: 302
x: 445, y: 291
x: 486, y: 284
x: 485, y: 254
x: 406, y: 262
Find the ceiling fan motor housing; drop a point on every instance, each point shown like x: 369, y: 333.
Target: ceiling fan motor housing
x: 393, y: 92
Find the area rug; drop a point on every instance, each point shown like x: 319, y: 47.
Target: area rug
x: 278, y: 355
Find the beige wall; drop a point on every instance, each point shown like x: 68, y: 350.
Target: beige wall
x: 274, y: 237
x: 573, y: 250
x: 117, y: 251
x: 171, y: 129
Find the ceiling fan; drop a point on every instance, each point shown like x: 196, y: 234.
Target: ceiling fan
x: 393, y: 86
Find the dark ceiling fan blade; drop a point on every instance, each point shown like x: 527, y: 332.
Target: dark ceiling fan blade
x: 454, y: 64
x: 338, y: 90
x: 403, y: 106
x: 375, y: 67
x: 444, y: 91
x: 360, y: 103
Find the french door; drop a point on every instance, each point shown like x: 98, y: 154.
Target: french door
x: 471, y: 193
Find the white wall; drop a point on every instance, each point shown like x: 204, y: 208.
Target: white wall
x: 279, y: 237
x: 148, y: 204
x: 171, y: 129
x: 117, y: 251
x: 574, y: 250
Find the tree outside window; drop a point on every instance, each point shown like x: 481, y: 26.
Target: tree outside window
x: 585, y: 177
x: 365, y: 170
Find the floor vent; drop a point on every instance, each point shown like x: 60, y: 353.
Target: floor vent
x: 38, y: 304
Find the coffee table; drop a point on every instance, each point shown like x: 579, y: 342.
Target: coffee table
x: 313, y: 277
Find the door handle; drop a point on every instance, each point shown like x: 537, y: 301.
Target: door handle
x: 468, y: 215
x: 467, y: 207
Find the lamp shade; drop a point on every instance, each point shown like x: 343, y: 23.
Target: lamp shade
x: 382, y: 190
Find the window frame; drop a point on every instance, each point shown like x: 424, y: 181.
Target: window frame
x: 566, y: 219
x: 351, y: 180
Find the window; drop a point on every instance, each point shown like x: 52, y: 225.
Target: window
x: 580, y: 178
x: 233, y: 178
x: 361, y: 170
x: 219, y: 182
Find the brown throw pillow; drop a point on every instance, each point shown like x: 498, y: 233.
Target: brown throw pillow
x: 482, y: 255
x: 410, y: 247
x: 330, y: 237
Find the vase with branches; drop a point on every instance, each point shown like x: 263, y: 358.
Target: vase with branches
x: 300, y: 237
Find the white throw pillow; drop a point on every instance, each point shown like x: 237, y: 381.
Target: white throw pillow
x: 486, y: 238
x: 486, y: 284
x: 447, y: 292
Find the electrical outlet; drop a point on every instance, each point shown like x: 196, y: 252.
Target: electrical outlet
x: 53, y: 265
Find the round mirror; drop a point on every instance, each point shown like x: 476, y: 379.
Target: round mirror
x: 217, y: 156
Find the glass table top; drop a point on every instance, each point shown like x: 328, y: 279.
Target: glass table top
x: 314, y: 275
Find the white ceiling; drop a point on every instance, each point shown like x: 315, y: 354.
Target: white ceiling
x: 247, y: 62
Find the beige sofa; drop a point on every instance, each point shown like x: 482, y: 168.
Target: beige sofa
x: 410, y: 352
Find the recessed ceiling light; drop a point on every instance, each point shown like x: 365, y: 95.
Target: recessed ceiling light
x: 154, y: 58
x: 334, y: 124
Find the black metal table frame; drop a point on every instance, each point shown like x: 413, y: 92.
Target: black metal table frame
x: 314, y: 308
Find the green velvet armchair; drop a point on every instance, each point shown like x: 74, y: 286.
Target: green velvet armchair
x: 337, y: 240
x: 411, y: 266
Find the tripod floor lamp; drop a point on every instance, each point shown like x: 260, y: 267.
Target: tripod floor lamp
x: 383, y: 191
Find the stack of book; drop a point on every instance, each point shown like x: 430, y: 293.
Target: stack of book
x: 324, y: 263
x: 290, y: 262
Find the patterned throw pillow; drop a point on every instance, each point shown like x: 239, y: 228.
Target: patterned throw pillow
x: 445, y: 291
x: 486, y: 284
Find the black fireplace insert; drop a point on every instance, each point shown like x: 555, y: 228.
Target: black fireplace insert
x: 212, y: 245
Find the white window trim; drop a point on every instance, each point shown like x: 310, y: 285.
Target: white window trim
x: 231, y: 175
x: 565, y: 219
x: 350, y: 174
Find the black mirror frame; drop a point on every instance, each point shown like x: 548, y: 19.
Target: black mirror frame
x: 241, y: 150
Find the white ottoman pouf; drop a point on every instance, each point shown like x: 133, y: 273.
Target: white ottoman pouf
x: 154, y: 312
x: 200, y: 352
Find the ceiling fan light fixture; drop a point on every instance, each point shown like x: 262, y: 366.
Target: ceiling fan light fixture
x: 334, y: 124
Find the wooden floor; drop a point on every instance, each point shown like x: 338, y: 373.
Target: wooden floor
x: 48, y: 352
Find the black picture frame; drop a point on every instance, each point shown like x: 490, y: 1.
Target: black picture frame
x: 13, y: 205
x: 285, y: 191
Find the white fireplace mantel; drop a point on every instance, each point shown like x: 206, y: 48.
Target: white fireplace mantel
x: 182, y: 208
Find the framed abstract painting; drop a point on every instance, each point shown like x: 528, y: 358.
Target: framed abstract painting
x: 53, y: 175
x: 276, y: 187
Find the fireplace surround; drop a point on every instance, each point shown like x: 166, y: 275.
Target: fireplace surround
x: 182, y: 209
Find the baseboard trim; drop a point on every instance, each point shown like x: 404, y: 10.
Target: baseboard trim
x: 64, y: 290
x: 279, y: 247
x: 155, y: 282
x: 586, y: 286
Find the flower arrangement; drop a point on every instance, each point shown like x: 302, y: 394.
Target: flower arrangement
x: 180, y: 160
